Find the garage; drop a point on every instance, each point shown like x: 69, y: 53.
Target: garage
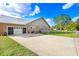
x: 16, y: 31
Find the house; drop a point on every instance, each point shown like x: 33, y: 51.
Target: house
x: 11, y: 25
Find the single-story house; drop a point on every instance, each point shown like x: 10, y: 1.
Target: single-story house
x: 12, y: 25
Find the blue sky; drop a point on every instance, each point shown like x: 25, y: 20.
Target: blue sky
x: 33, y: 11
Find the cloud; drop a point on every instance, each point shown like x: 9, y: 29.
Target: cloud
x: 18, y: 9
x: 75, y: 18
x: 10, y: 9
x: 50, y: 22
x: 67, y: 6
x: 36, y: 11
x: 3, y: 12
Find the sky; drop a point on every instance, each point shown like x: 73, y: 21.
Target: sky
x: 31, y: 11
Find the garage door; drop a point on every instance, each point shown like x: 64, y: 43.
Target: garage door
x: 18, y: 31
x: 10, y: 31
x: 24, y: 30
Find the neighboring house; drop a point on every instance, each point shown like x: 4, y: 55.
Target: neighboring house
x: 12, y: 25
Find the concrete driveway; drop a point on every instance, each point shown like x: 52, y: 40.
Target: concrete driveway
x: 46, y: 45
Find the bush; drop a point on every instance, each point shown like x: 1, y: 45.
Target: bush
x: 77, y: 25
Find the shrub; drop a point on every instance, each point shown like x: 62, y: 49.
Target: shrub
x: 77, y: 25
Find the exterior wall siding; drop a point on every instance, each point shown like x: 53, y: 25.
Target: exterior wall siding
x: 39, y: 25
x: 2, y: 28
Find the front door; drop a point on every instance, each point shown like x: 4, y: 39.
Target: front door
x: 10, y: 30
x: 24, y: 30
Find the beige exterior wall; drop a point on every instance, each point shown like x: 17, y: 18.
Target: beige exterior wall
x: 2, y: 28
x: 31, y: 28
x: 38, y: 25
x: 15, y: 26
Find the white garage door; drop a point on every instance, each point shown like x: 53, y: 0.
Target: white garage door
x: 18, y: 31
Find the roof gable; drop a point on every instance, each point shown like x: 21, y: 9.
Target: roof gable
x: 41, y: 18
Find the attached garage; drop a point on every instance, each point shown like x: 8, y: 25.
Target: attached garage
x: 16, y: 31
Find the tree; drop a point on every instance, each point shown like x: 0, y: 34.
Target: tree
x: 70, y: 26
x: 62, y: 20
x: 57, y: 26
x: 77, y: 24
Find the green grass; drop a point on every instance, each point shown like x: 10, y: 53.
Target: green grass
x: 9, y: 47
x: 62, y: 33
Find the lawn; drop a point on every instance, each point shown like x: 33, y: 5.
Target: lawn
x: 62, y: 33
x: 9, y: 47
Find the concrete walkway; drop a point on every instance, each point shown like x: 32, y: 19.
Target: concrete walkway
x: 46, y: 45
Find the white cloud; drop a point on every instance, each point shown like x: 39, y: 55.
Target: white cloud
x: 36, y: 11
x: 18, y: 9
x: 75, y: 18
x: 10, y: 7
x: 67, y: 6
x: 3, y: 12
x: 50, y: 22
x: 15, y: 9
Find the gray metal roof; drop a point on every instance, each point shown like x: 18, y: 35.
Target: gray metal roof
x: 12, y: 20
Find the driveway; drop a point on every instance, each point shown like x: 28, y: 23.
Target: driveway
x: 47, y: 45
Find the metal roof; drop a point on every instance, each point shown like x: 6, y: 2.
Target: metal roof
x: 12, y: 20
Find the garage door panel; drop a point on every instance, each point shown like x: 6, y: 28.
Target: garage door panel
x: 18, y: 31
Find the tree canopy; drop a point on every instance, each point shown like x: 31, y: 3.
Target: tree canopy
x: 62, y: 20
x: 70, y: 26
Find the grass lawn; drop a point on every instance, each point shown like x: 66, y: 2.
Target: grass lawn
x: 62, y: 33
x: 9, y: 47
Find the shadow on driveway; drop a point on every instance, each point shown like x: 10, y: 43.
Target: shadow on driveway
x: 28, y: 35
